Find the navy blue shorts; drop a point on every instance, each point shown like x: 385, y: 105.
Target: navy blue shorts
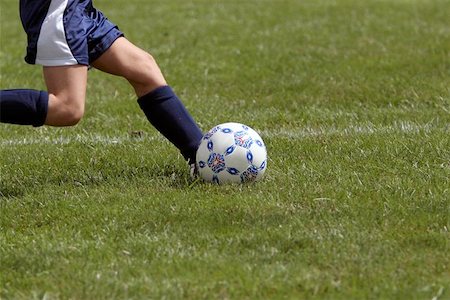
x: 65, y: 32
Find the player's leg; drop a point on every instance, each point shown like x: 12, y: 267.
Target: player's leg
x: 61, y: 105
x: 60, y: 45
x: 66, y: 86
x: 160, y: 104
x: 134, y: 64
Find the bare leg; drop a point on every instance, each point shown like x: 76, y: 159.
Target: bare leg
x: 67, y: 92
x: 161, y: 106
x: 137, y: 66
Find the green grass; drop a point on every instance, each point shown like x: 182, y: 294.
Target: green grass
x: 353, y: 101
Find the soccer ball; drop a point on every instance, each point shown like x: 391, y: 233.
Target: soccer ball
x: 231, y: 153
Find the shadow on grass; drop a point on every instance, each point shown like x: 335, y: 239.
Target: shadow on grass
x: 162, y: 175
x: 10, y: 192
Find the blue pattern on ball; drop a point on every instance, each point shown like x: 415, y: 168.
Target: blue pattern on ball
x: 216, y: 162
x: 210, y: 145
x: 263, y: 165
x: 241, y: 138
x: 249, y: 157
x: 230, y: 150
x: 249, y: 175
x: 208, y: 135
x: 233, y: 171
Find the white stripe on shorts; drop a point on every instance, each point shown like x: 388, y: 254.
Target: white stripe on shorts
x: 52, y: 47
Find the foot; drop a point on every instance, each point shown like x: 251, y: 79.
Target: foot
x: 193, y: 169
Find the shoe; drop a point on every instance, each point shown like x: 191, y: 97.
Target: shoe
x: 193, y: 169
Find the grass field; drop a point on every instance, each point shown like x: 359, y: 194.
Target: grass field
x: 353, y: 101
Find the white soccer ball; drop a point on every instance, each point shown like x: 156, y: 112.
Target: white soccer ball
x: 231, y: 153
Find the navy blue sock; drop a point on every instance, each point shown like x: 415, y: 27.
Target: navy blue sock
x: 24, y: 107
x: 169, y: 116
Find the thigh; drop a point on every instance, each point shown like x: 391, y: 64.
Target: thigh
x: 67, y: 82
x: 136, y: 65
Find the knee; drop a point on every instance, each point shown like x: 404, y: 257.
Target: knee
x: 73, y: 115
x: 65, y: 112
x: 149, y: 70
x: 148, y: 58
x: 148, y: 75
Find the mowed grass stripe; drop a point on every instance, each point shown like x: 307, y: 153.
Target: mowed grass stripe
x: 292, y: 133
